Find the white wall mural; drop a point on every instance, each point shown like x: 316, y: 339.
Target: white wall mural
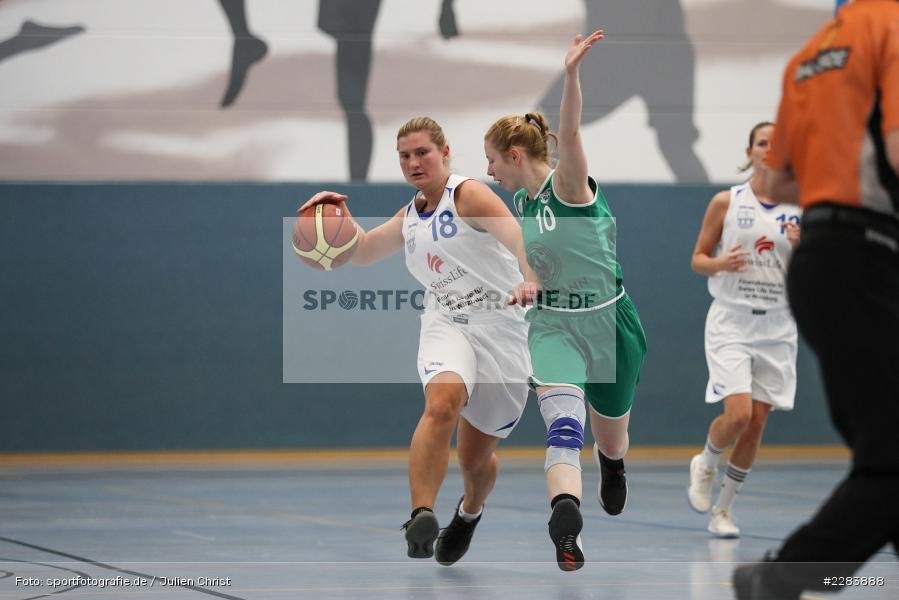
x: 314, y: 90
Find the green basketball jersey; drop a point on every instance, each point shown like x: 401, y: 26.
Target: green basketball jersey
x: 571, y: 247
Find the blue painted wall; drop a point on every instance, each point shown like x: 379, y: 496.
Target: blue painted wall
x: 148, y: 316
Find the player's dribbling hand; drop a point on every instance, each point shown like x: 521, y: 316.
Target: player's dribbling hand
x: 734, y: 260
x: 579, y: 49
x: 525, y: 293
x: 792, y: 231
x: 325, y: 197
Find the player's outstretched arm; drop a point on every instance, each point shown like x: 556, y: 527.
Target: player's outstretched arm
x: 379, y: 243
x: 570, y: 180
x: 734, y: 259
x: 384, y: 240
x: 482, y: 208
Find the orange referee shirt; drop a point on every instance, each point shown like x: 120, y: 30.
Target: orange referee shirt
x: 840, y: 97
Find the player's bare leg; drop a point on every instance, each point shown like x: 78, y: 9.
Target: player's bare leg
x: 480, y: 467
x: 563, y: 479
x: 742, y: 457
x: 728, y: 426
x: 445, y: 395
x: 723, y: 431
x: 747, y: 446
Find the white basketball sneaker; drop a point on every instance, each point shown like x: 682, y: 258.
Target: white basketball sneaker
x: 722, y: 524
x: 699, y: 494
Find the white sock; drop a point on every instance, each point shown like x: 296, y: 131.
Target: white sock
x: 711, y: 455
x: 730, y: 487
x: 468, y: 518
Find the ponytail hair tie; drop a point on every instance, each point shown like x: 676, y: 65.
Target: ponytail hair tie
x: 530, y: 118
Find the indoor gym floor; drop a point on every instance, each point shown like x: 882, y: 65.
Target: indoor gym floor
x: 282, y: 527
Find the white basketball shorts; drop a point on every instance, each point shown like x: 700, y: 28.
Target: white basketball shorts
x: 490, y: 354
x: 751, y: 353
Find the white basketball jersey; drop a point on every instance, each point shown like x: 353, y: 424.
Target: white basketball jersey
x: 760, y: 230
x: 463, y: 271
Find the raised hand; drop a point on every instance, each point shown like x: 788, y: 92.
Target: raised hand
x: 325, y: 197
x: 579, y: 49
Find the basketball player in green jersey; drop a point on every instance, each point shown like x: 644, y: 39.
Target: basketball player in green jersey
x: 586, y: 340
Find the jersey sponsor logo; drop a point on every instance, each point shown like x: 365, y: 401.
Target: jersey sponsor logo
x: 831, y: 59
x: 763, y: 244
x: 717, y: 389
x: 460, y: 319
x: 545, y: 262
x: 769, y: 262
x: 435, y: 263
x: 478, y: 297
x: 543, y: 196
x: 745, y: 218
x: 454, y: 275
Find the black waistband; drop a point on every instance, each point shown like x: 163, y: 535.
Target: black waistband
x: 848, y: 215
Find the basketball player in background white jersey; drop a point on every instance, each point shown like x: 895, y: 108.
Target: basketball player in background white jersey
x: 465, y: 248
x: 750, y: 335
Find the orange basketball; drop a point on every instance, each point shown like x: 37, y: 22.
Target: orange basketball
x: 324, y: 236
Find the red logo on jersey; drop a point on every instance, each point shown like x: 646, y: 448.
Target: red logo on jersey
x: 762, y: 244
x: 435, y: 263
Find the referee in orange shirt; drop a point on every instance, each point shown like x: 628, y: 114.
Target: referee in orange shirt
x: 836, y: 151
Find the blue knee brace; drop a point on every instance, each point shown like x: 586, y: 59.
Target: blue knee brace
x: 564, y: 414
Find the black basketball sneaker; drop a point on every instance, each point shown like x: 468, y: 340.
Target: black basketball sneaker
x: 421, y: 531
x: 453, y: 541
x: 565, y: 526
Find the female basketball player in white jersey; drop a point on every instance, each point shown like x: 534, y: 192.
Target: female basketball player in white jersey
x: 750, y: 335
x: 464, y: 247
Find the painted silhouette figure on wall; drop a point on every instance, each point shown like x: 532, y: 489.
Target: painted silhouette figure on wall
x: 447, y: 21
x: 248, y: 49
x: 351, y: 23
x: 659, y: 66
x: 33, y: 36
